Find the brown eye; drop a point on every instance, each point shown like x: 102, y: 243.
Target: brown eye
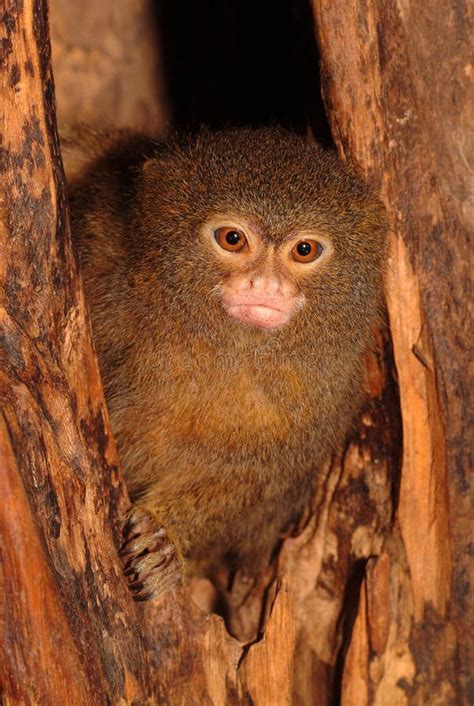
x: 230, y: 239
x: 306, y: 250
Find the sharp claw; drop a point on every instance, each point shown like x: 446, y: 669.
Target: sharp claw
x: 135, y: 586
x: 149, y: 558
x: 141, y: 596
x: 124, y: 550
x: 130, y: 571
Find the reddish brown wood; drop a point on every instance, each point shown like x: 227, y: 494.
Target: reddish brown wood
x: 398, y: 88
x: 68, y: 624
x: 36, y: 618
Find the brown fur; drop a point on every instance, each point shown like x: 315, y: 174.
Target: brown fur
x: 221, y: 427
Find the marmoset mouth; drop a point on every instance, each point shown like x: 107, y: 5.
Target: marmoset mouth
x: 258, y: 314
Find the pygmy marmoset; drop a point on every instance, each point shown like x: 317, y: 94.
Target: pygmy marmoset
x: 233, y: 279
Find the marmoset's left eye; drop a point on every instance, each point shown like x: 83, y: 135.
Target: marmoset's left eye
x: 306, y: 250
x: 230, y: 239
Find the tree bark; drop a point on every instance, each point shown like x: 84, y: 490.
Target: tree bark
x: 397, y: 81
x: 67, y: 623
x: 354, y: 612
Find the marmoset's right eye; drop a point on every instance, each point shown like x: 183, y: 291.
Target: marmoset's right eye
x: 230, y: 239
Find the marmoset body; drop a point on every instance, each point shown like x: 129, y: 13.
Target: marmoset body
x: 233, y: 280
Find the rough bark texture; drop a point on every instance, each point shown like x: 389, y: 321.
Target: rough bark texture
x: 66, y: 616
x: 398, y: 87
x: 369, y: 604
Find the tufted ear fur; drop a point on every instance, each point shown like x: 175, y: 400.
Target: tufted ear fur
x: 81, y: 145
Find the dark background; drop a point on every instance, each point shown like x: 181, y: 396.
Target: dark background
x: 241, y: 62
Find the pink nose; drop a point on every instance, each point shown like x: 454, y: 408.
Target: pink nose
x: 263, y: 300
x: 265, y: 285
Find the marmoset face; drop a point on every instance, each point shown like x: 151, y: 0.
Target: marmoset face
x: 262, y: 282
x: 260, y: 230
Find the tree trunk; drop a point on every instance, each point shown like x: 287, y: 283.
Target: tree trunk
x: 397, y: 82
x: 368, y: 604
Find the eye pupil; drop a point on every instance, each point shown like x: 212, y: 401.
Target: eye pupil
x: 306, y: 251
x: 303, y: 249
x: 232, y: 237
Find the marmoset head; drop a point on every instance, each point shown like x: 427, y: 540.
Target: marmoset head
x: 260, y: 229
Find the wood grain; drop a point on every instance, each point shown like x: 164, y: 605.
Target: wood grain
x: 66, y: 609
x: 398, y: 89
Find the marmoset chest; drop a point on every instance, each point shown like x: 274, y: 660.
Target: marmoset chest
x: 242, y: 404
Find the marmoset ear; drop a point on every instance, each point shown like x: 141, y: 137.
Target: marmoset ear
x: 79, y: 146
x: 156, y: 175
x: 149, y: 165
